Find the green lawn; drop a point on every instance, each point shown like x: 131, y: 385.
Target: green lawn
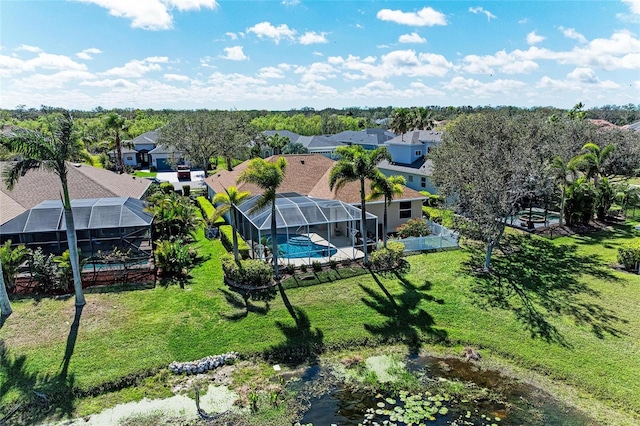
x: 140, y: 174
x: 555, y: 310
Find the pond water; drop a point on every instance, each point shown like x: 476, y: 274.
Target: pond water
x: 507, y: 401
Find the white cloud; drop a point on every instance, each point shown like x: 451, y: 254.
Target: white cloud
x: 476, y: 10
x: 311, y: 37
x: 484, y: 90
x: 86, y: 53
x: 290, y: 2
x: 232, y: 36
x: 270, y: 72
x: 414, y: 37
x: 234, y: 53
x: 634, y: 6
x: 176, y: 77
x: 533, y: 38
x: 137, y: 68
x: 508, y: 63
x: 110, y: 83
x: 396, y: 63
x: 583, y: 75
x: 27, y: 48
x: 316, y: 53
x: 317, y: 71
x: 523, y: 21
x: 266, y: 30
x: 150, y: 14
x: 573, y: 34
x: 425, y: 17
x: 12, y: 66
x: 51, y: 81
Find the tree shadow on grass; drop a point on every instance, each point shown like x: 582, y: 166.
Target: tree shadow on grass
x: 241, y: 302
x: 405, y: 319
x: 536, y: 280
x: 303, y: 343
x: 41, y: 396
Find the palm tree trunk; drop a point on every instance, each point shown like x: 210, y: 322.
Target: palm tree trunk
x: 274, y: 242
x: 119, y: 163
x: 363, y: 222
x: 384, y: 224
x: 561, y: 218
x: 72, y: 242
x: 5, y: 305
x: 233, y: 229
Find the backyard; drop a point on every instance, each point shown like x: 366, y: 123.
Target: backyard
x: 553, y: 309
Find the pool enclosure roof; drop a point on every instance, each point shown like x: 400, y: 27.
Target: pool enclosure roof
x: 294, y: 210
x: 92, y: 213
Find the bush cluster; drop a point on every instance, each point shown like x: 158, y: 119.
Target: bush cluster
x: 251, y: 272
x: 387, y: 258
x: 206, y: 208
x: 413, y: 228
x: 226, y: 236
x: 629, y: 256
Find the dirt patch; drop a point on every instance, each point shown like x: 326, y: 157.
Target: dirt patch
x: 561, y: 231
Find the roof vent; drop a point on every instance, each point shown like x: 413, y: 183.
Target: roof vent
x: 302, y: 161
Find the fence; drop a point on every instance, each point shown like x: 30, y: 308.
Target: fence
x: 440, y: 238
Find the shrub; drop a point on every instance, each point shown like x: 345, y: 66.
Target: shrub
x: 290, y: 269
x: 207, y: 209
x: 413, y: 228
x: 226, y: 236
x: 387, y: 258
x: 167, y: 187
x: 629, y: 256
x: 303, y: 268
x: 44, y: 270
x: 186, y: 190
x: 317, y: 266
x: 252, y: 272
x: 333, y: 264
x: 11, y: 259
x: 153, y: 169
x: 174, y: 257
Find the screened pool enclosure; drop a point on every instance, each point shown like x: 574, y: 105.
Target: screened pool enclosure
x: 308, y: 229
x: 101, y: 224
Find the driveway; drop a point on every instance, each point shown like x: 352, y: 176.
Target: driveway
x: 197, y: 177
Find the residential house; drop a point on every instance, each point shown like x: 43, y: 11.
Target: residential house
x: 369, y: 138
x: 408, y: 153
x: 314, y: 144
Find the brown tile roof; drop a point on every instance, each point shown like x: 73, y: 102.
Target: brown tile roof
x: 84, y: 182
x: 306, y: 174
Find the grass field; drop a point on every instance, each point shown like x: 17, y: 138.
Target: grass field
x: 553, y: 307
x: 138, y: 173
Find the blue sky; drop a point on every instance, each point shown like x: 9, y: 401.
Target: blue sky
x: 190, y: 54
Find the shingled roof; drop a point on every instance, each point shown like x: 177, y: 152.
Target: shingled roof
x: 84, y: 182
x: 306, y: 174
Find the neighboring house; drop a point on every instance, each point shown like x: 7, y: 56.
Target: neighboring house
x: 633, y: 126
x: 135, y: 152
x: 164, y: 159
x: 369, y: 138
x: 129, y: 157
x: 314, y: 144
x: 84, y: 182
x: 408, y: 153
x: 308, y: 175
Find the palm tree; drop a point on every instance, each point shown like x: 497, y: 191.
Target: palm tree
x: 592, y: 162
x: 174, y: 217
x: 421, y: 118
x: 267, y: 176
x: 229, y: 200
x: 561, y: 172
x: 116, y: 123
x: 5, y: 304
x: 356, y: 164
x: 277, y: 143
x: 387, y: 187
x: 51, y: 152
x: 400, y: 121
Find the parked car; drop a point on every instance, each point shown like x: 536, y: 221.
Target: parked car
x: 184, y: 172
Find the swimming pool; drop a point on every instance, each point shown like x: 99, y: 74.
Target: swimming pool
x: 300, y: 246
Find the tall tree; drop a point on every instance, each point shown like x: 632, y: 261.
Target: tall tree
x: 116, y: 124
x: 388, y: 188
x: 485, y: 164
x: 562, y: 172
x: 421, y: 118
x: 227, y: 202
x: 356, y: 164
x: 592, y: 162
x: 400, y: 121
x: 51, y: 152
x: 193, y: 135
x: 233, y: 135
x: 277, y: 143
x: 268, y: 176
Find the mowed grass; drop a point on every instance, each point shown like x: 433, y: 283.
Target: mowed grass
x: 566, y: 315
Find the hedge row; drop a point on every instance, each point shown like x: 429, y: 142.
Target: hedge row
x: 226, y: 236
x: 206, y: 208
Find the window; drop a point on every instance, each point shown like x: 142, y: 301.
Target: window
x: 418, y: 153
x: 410, y: 178
x: 129, y: 158
x: 405, y: 209
x: 423, y: 182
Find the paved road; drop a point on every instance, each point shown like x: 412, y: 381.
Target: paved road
x: 197, y: 177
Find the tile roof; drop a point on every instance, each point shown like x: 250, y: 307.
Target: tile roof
x: 306, y: 174
x: 84, y: 182
x: 146, y: 138
x: 416, y: 137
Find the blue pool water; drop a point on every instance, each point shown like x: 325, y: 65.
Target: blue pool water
x: 300, y: 246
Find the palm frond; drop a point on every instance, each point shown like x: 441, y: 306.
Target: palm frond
x: 11, y: 174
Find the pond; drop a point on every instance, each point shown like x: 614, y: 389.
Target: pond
x: 453, y: 392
